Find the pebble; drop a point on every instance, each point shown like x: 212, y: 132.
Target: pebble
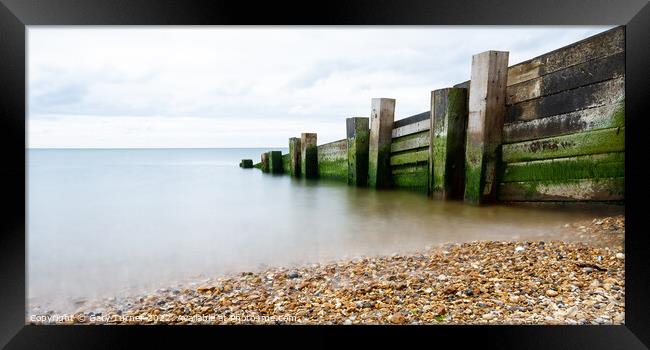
x: 488, y: 316
x: 551, y: 293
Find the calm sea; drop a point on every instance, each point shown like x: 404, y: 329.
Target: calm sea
x: 119, y: 221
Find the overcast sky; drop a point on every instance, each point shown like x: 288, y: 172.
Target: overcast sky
x: 125, y: 87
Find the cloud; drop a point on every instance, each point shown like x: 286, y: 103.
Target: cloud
x: 245, y: 86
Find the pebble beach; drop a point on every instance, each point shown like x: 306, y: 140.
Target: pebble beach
x: 577, y: 279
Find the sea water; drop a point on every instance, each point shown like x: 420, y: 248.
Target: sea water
x: 104, y: 222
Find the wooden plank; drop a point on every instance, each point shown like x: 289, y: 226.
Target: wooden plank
x: 583, y: 74
x: 333, y: 168
x: 411, y: 141
x: 597, y: 46
x: 410, y: 157
x: 589, y: 142
x: 609, y: 189
x: 485, y: 124
x: 599, y: 94
x: 415, y: 181
x: 447, y: 140
x: 409, y: 168
x: 580, y: 167
x: 333, y: 150
x: 464, y: 85
x: 308, y: 155
x: 411, y: 128
x: 411, y: 120
x: 358, y: 134
x: 381, y: 126
x: 603, y: 117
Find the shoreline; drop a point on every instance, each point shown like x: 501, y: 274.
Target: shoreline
x: 579, y: 281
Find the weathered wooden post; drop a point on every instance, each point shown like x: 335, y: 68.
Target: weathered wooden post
x: 487, y: 108
x: 265, y: 162
x: 358, y: 134
x: 447, y: 146
x: 275, y: 162
x: 294, y: 156
x: 382, y: 116
x: 246, y: 163
x: 308, y: 155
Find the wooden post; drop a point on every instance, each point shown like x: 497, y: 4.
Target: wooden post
x: 294, y: 156
x: 382, y: 116
x: 308, y: 155
x: 447, y: 146
x: 246, y: 163
x: 487, y: 109
x: 275, y: 162
x: 265, y: 162
x: 358, y: 134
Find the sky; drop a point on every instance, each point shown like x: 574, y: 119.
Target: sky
x: 203, y: 87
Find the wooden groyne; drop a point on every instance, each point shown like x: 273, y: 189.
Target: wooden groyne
x: 550, y: 129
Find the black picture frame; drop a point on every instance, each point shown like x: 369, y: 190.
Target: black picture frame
x: 15, y: 15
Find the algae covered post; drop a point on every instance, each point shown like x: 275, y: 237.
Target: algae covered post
x: 246, y: 163
x: 275, y: 162
x: 308, y: 155
x: 487, y: 95
x: 447, y: 145
x: 294, y: 156
x: 358, y: 134
x: 265, y: 162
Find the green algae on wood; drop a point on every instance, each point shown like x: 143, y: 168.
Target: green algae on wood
x: 333, y: 160
x: 410, y: 157
x: 416, y: 181
x: 382, y: 117
x: 589, y: 142
x: 275, y: 162
x: 447, y: 143
x: 358, y: 138
x: 308, y: 155
x: 604, y: 189
x: 411, y: 176
x: 412, y: 141
x: 265, y: 162
x: 246, y: 163
x: 580, y: 167
x: 333, y: 169
x: 286, y: 163
x: 486, y: 107
x: 603, y: 117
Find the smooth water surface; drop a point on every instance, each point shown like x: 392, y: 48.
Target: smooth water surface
x: 105, y: 222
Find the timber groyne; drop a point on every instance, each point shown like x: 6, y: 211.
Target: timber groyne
x: 550, y: 129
